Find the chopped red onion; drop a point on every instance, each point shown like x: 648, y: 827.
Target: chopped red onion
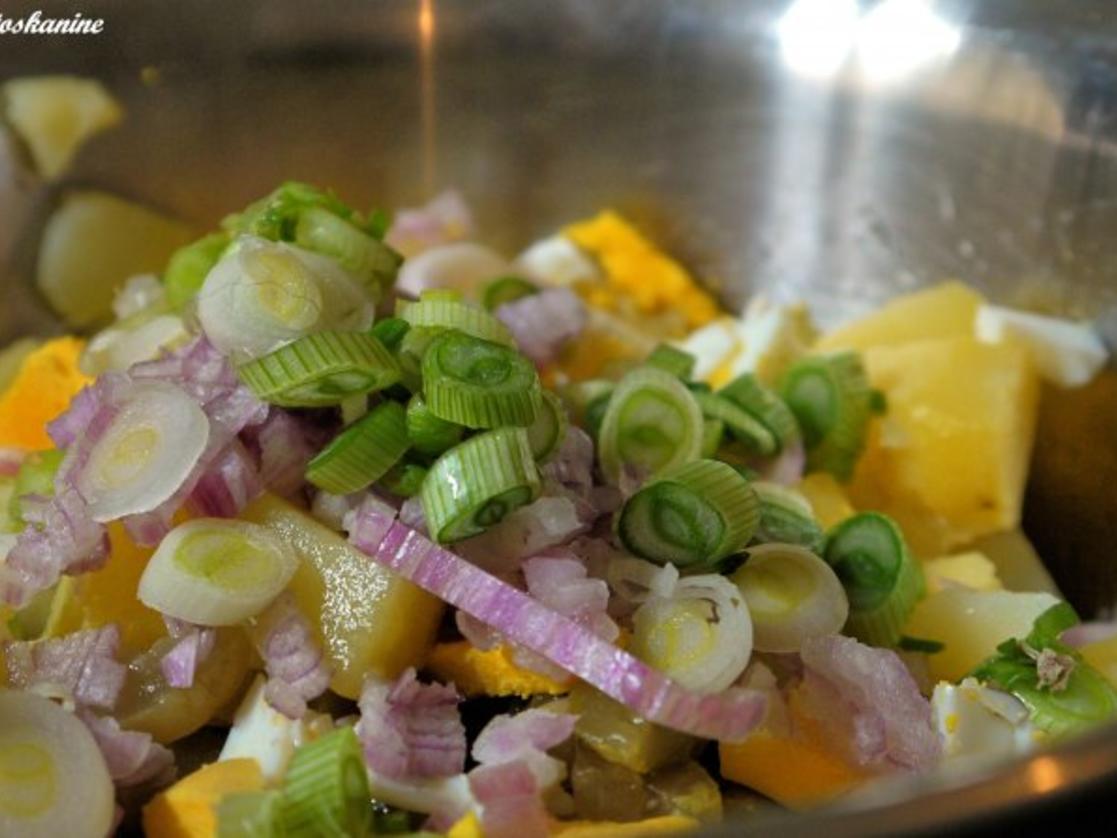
x: 511, y: 806
x: 445, y: 218
x: 10, y: 461
x: 283, y: 445
x: 572, y: 465
x: 528, y: 531
x: 79, y: 667
x: 526, y: 736
x: 293, y: 659
x: 133, y: 758
x: 335, y: 510
x: 635, y: 581
x: 559, y: 581
x: 464, y: 266
x: 1085, y: 633
x: 228, y: 485
x: 787, y: 468
x: 67, y: 540
x: 868, y: 700
x: 181, y: 662
x: 478, y: 633
x: 413, y: 514
x: 544, y: 323
x: 369, y: 522
x: 137, y: 293
x: 725, y: 716
x: 65, y: 428
x: 411, y: 730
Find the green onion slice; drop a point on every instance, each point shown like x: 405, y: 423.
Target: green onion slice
x: 390, y: 332
x: 549, y: 428
x: 413, y: 346
x: 831, y: 399
x: 249, y: 814
x: 478, y: 383
x: 692, y: 516
x: 786, y: 517
x: 404, y: 479
x: 441, y: 312
x: 473, y: 486
x: 765, y: 406
x: 35, y: 477
x: 325, y: 790
x: 187, y: 268
x: 362, y: 453
x: 673, y: 360
x: 371, y: 260
x: 579, y: 395
x: 506, y: 289
x: 652, y: 423
x: 321, y: 370
x: 738, y: 421
x: 429, y: 434
x: 920, y: 644
x: 881, y: 578
x: 713, y: 432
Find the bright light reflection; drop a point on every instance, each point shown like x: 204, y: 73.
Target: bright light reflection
x: 899, y: 36
x: 816, y: 36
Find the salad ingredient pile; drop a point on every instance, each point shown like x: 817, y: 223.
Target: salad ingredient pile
x: 452, y: 542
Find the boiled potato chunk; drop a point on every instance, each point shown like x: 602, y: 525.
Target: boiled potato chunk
x: 92, y: 243
x: 971, y: 624
x: 971, y: 570
x: 54, y: 115
x: 370, y: 619
x: 949, y: 459
x: 945, y: 310
x: 1102, y: 655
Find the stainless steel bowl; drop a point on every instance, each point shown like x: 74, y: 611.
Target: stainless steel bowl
x: 829, y: 149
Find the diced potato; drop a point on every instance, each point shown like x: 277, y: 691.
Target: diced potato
x: 92, y: 243
x: 1102, y: 655
x: 948, y: 309
x: 612, y: 730
x: 950, y: 458
x: 970, y: 570
x: 188, y: 808
x: 971, y: 624
x: 370, y: 619
x: 487, y: 672
x: 827, y: 498
x: 1018, y: 564
x: 54, y: 115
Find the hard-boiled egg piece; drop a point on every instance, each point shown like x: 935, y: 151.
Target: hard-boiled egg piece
x: 1065, y: 352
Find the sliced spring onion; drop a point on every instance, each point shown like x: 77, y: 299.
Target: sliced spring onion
x: 390, y: 332
x: 506, y: 289
x: 831, y: 399
x: 412, y: 347
x: 547, y: 431
x: 35, y: 477
x: 764, y: 406
x: 673, y: 360
x: 188, y: 266
x: 261, y: 295
x: 713, y: 432
x: 881, y: 578
x: 362, y: 453
x: 786, y: 517
x: 404, y: 480
x: 353, y: 408
x: 692, y: 516
x: 578, y: 395
x: 216, y: 572
x: 652, y: 423
x: 478, y: 383
x: 429, y: 434
x: 276, y: 215
x: 321, y: 369
x: 325, y: 790
x: 473, y: 486
x: 321, y: 231
x: 739, y: 422
x: 249, y: 814
x: 53, y: 779
x: 919, y: 644
x: 441, y: 312
x: 146, y: 453
x: 702, y: 636
x: 792, y: 595
x: 595, y: 413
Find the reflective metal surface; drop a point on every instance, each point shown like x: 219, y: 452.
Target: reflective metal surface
x: 830, y: 149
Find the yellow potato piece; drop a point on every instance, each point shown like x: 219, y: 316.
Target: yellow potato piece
x: 47, y: 379
x: 94, y: 242
x: 949, y: 460
x: 971, y: 570
x: 489, y: 672
x: 188, y: 808
x: 971, y: 624
x: 948, y: 309
x: 827, y: 498
x: 54, y: 115
x: 370, y: 619
x: 1102, y: 655
x: 1019, y: 566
